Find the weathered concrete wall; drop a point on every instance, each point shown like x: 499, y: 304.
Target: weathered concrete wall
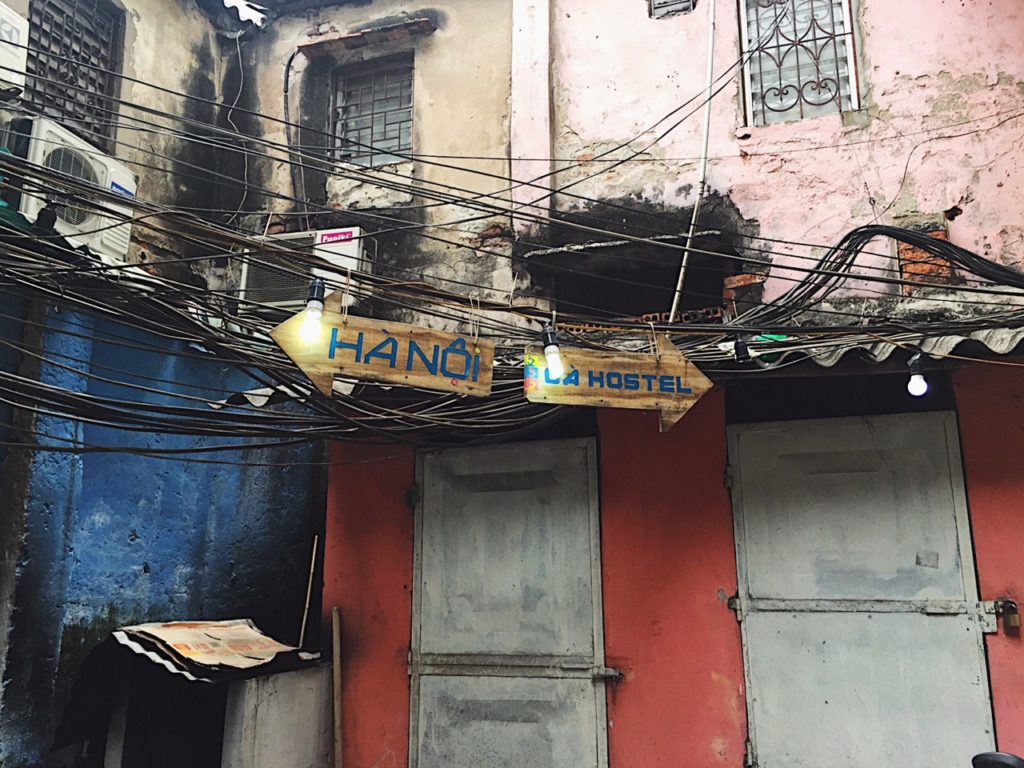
x: 113, y: 539
x: 926, y: 71
x: 461, y: 89
x: 283, y: 721
x: 175, y: 46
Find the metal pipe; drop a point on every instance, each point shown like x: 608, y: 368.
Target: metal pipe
x: 702, y: 185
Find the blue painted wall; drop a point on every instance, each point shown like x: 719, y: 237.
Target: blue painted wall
x: 114, y: 539
x: 12, y: 314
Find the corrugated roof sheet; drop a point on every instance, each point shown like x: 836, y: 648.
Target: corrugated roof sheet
x: 1000, y: 341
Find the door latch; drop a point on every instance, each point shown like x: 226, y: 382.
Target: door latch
x: 596, y: 673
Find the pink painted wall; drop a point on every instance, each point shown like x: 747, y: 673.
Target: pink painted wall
x: 669, y: 567
x: 928, y: 69
x: 368, y: 575
x: 990, y: 402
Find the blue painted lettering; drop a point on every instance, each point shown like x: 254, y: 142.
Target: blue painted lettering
x: 614, y: 380
x: 386, y: 350
x: 595, y: 379
x: 337, y: 344
x: 665, y: 384
x: 456, y: 349
x: 573, y: 379
x: 681, y: 388
x: 631, y: 381
x: 649, y: 378
x: 415, y: 350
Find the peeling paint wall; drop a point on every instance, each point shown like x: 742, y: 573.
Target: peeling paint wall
x: 926, y: 71
x: 113, y: 539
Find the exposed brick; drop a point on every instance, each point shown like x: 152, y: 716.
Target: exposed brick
x: 921, y: 266
x: 739, y: 281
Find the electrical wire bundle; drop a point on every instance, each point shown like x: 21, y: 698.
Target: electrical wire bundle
x: 197, y: 317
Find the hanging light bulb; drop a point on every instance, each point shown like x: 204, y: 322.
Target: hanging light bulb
x: 551, y: 352
x: 313, y: 314
x: 917, y: 384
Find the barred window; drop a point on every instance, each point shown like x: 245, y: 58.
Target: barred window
x: 373, y: 110
x: 659, y: 8
x: 799, y: 58
x: 74, y: 58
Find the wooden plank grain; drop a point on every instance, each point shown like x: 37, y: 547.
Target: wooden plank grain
x: 665, y: 381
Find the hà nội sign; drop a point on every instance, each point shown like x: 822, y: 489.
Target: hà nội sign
x: 382, y: 351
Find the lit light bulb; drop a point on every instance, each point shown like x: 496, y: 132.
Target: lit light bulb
x: 554, y: 359
x: 313, y: 314
x: 917, y: 384
x: 553, y: 356
x: 312, y: 321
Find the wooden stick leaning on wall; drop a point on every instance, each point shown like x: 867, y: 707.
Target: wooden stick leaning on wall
x: 309, y: 591
x: 336, y: 670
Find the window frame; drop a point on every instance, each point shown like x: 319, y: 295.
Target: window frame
x: 99, y: 125
x: 746, y: 56
x: 371, y: 159
x: 684, y: 6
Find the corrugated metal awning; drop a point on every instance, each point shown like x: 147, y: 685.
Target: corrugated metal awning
x: 1000, y: 341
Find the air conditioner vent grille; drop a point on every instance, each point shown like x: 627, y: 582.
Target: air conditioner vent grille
x: 275, y: 279
x: 72, y: 163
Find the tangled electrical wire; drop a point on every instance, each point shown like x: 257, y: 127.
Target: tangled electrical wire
x: 198, y: 321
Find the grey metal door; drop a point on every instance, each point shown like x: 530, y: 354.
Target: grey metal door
x: 507, y: 657
x: 861, y: 624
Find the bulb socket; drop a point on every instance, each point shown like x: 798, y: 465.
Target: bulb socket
x: 550, y: 338
x: 317, y: 291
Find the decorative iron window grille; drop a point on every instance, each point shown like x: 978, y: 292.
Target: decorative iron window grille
x: 659, y: 8
x: 800, y: 59
x: 373, y: 110
x: 74, y: 59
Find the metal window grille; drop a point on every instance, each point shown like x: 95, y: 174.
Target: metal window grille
x: 800, y: 59
x: 373, y: 111
x: 659, y: 8
x: 74, y: 57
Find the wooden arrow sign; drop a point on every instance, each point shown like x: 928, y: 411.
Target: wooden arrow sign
x: 665, y: 382
x: 378, y: 350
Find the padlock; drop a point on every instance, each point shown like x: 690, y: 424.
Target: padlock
x: 1010, y: 612
x: 1011, y: 616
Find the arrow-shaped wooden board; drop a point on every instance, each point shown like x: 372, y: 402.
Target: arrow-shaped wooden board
x: 666, y: 382
x: 378, y: 350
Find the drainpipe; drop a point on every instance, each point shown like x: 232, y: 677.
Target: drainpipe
x: 702, y: 185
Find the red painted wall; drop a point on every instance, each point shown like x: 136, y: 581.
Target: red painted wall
x: 669, y: 567
x: 990, y: 402
x: 368, y: 575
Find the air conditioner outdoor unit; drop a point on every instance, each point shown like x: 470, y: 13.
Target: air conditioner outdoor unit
x: 271, y: 279
x: 13, y: 50
x: 43, y: 142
